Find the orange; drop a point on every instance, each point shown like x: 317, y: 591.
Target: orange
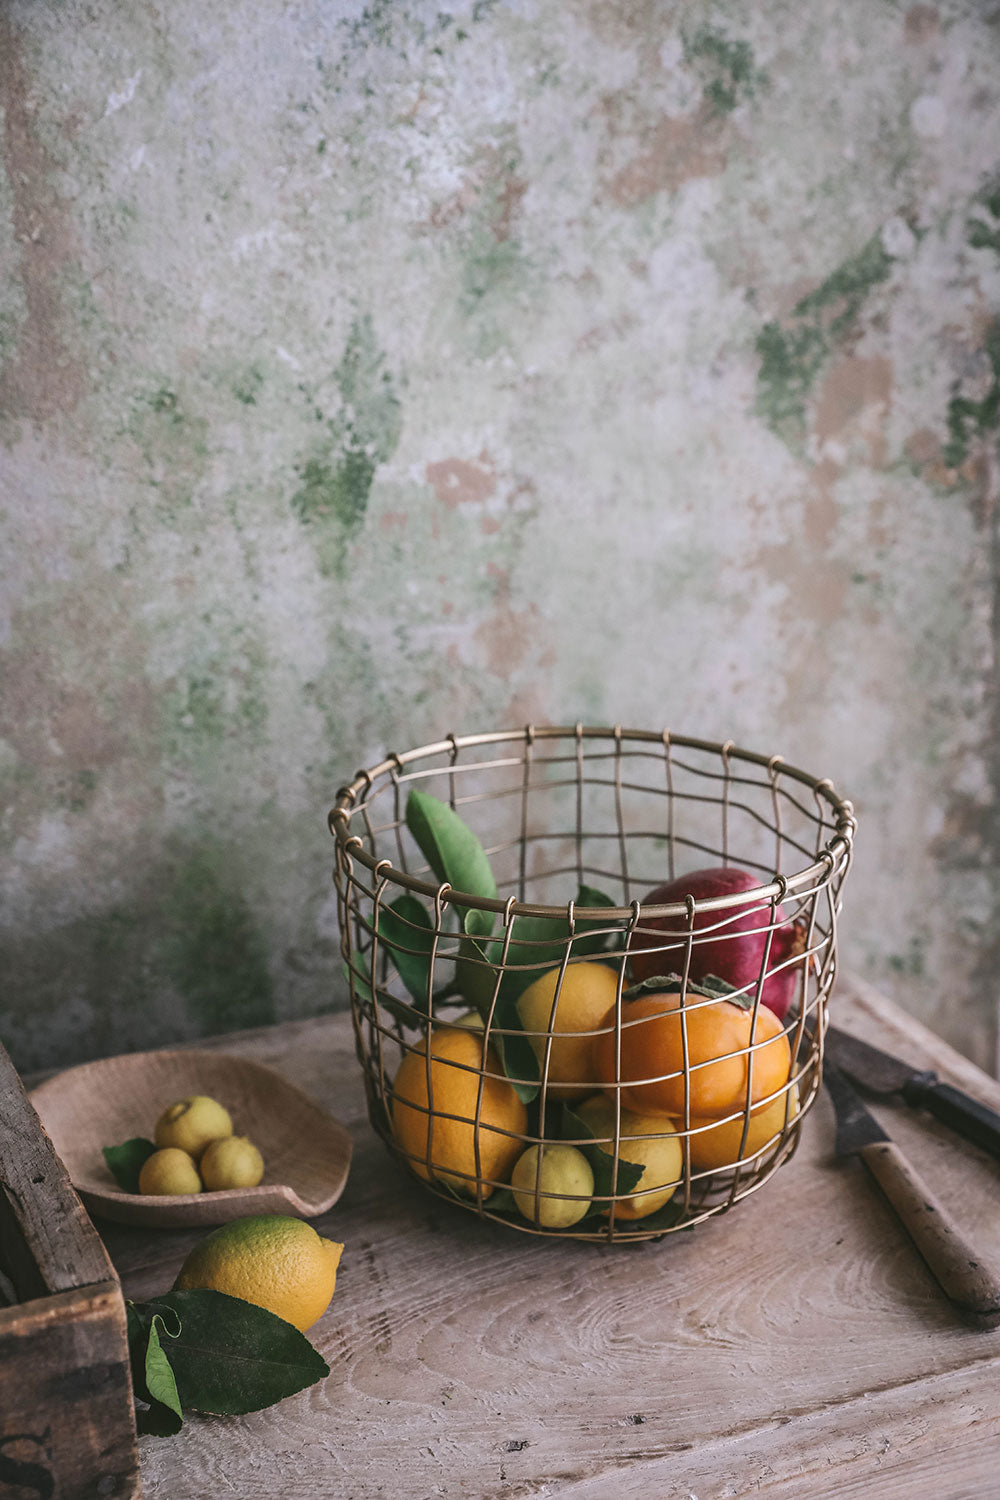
x: 719, y: 1034
x: 454, y: 1121
x: 561, y: 1027
x: 269, y: 1259
x: 715, y: 1145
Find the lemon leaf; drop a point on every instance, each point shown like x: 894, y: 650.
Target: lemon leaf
x: 231, y: 1357
x: 126, y: 1161
x: 453, y: 852
x: 407, y: 934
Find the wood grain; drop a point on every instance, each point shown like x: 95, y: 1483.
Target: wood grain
x: 306, y: 1153
x: 797, y: 1347
x: 67, y: 1425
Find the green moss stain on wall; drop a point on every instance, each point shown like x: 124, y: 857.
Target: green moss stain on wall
x: 335, y: 484
x: 725, y: 67
x: 976, y: 417
x: 212, y: 949
x: 793, y: 354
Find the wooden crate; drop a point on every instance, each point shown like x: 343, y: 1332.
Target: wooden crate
x: 67, y: 1420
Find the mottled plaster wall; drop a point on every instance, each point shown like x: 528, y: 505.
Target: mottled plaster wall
x: 367, y: 373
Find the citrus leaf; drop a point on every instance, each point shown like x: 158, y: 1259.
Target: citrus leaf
x: 231, y: 1356
x: 452, y: 850
x: 160, y: 1382
x: 407, y: 934
x: 517, y: 1055
x: 126, y: 1161
x: 709, y: 988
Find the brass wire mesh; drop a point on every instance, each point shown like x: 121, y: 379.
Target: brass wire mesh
x: 557, y: 808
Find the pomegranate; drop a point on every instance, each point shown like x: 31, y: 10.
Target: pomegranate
x: 735, y: 949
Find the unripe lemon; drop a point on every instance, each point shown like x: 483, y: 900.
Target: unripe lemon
x: 564, y: 1171
x: 232, y: 1162
x: 271, y: 1260
x: 191, y: 1123
x: 585, y: 995
x: 169, y: 1172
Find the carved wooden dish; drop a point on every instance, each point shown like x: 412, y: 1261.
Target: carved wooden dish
x: 306, y: 1152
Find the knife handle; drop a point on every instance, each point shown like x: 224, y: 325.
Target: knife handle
x: 959, y: 1271
x: 977, y: 1122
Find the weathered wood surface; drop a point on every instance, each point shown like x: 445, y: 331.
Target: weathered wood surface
x: 797, y: 1347
x: 67, y: 1425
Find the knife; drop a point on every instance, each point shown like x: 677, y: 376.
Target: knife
x: 962, y: 1275
x: 883, y: 1074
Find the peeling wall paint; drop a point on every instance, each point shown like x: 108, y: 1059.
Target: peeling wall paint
x: 372, y: 371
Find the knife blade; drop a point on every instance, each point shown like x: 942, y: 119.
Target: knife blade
x: 881, y: 1073
x: 966, y: 1280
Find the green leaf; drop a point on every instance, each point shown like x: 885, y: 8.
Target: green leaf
x: 602, y: 1162
x: 517, y: 1055
x: 710, y: 987
x: 405, y: 926
x: 231, y: 1356
x: 160, y: 1382
x: 126, y: 1161
x: 452, y: 850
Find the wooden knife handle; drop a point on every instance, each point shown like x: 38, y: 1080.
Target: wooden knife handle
x: 962, y: 1275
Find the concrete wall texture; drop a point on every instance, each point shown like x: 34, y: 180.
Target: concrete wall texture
x: 370, y: 372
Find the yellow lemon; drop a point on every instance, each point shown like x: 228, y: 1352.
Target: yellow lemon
x: 169, y: 1172
x: 562, y: 1027
x: 452, y: 1120
x: 646, y: 1140
x: 191, y: 1123
x: 232, y: 1162
x: 274, y: 1261
x: 564, y: 1172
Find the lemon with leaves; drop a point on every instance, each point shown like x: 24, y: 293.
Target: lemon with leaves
x: 271, y: 1260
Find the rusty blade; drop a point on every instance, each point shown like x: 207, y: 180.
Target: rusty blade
x: 856, y: 1126
x: 876, y: 1070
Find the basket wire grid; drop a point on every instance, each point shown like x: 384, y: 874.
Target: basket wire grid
x: 558, y: 809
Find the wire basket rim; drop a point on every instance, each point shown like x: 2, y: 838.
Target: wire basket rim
x: 836, y: 850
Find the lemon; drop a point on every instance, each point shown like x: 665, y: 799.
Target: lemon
x: 232, y: 1162
x: 564, y: 1171
x: 646, y: 1140
x: 191, y: 1123
x: 271, y: 1260
x: 562, y: 1029
x: 169, y: 1172
x: 468, y: 1127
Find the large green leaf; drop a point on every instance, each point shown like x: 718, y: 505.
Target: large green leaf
x: 451, y: 849
x: 407, y: 934
x: 231, y: 1356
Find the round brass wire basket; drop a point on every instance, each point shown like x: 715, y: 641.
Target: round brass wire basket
x: 569, y: 832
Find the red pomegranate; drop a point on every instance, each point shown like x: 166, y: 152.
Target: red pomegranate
x: 735, y: 950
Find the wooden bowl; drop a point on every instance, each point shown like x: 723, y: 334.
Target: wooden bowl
x: 306, y: 1152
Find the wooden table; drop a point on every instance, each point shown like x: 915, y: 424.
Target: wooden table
x: 796, y: 1347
